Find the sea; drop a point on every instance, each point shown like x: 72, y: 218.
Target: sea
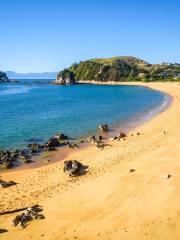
x: 34, y: 110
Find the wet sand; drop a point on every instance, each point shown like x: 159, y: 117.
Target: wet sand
x: 108, y: 202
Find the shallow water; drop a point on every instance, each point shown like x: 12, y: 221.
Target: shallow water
x: 35, y: 112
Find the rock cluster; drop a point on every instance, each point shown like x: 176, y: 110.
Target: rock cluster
x: 8, y: 159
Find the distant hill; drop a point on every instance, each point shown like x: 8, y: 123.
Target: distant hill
x: 124, y: 68
x: 44, y: 75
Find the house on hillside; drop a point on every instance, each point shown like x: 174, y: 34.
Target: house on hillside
x: 163, y: 75
x: 142, y: 74
x: 177, y: 76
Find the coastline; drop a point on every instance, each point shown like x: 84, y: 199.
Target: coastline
x: 126, y: 126
x: 120, y: 206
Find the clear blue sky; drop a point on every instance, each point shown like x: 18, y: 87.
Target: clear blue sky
x: 48, y: 35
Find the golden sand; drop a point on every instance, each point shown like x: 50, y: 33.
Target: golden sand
x: 109, y: 202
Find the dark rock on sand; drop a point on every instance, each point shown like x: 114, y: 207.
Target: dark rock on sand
x: 3, y: 230
x: 7, y: 159
x: 103, y: 128
x: 92, y: 139
x: 100, y: 138
x: 28, y: 215
x: 102, y: 145
x: 5, y: 184
x: 72, y: 145
x: 122, y: 135
x: 137, y: 134
x: 168, y: 176
x: 74, y: 168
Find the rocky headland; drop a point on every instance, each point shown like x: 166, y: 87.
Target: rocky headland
x: 118, y: 69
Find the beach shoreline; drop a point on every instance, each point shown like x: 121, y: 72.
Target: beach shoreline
x: 46, y: 158
x: 108, y: 200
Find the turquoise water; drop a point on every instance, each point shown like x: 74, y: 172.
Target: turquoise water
x: 35, y: 112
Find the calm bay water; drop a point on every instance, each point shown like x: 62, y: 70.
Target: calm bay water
x: 34, y: 112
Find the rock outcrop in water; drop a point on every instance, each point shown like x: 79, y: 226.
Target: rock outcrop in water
x: 61, y: 136
x: 65, y: 77
x: 3, y: 77
x: 103, y: 128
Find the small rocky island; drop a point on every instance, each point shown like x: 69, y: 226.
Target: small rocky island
x: 3, y: 77
x: 118, y: 69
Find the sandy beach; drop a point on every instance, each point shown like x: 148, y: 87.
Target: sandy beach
x: 109, y: 202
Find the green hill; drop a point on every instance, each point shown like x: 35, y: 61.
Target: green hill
x: 125, y: 68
